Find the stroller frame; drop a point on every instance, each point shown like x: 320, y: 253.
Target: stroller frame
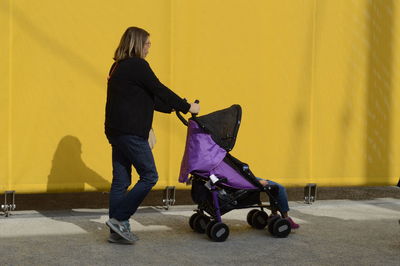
x: 215, y: 185
x: 216, y: 204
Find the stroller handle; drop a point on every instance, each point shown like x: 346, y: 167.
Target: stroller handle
x: 183, y: 120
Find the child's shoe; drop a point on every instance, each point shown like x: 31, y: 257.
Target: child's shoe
x: 293, y: 225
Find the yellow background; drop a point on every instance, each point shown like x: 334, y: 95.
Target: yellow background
x: 316, y: 81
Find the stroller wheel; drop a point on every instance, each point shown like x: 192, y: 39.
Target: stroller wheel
x: 200, y: 223
x: 259, y: 220
x: 219, y: 232
x: 191, y: 220
x: 281, y: 228
x: 208, y: 228
x: 271, y: 222
x: 250, y: 216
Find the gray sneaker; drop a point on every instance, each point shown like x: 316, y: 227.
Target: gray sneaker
x: 116, y: 238
x: 122, y: 229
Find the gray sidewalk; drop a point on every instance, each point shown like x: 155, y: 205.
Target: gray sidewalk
x: 333, y: 232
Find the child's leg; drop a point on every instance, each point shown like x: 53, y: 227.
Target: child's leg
x: 282, y: 199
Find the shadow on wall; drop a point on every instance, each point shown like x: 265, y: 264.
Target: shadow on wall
x: 379, y: 92
x: 69, y: 173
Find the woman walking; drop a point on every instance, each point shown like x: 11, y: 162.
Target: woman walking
x: 133, y: 93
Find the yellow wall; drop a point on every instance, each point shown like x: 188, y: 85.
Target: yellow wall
x: 316, y: 80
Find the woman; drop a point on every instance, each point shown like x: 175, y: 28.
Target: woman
x: 133, y: 93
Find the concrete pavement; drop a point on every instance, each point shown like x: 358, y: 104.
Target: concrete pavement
x: 333, y: 232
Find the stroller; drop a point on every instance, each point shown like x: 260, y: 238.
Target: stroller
x: 220, y: 182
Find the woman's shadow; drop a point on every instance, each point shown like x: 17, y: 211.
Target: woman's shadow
x: 66, y: 183
x: 69, y: 173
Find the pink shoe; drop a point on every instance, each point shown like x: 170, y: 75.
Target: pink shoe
x: 293, y: 225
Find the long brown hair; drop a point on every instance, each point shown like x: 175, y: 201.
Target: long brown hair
x: 131, y: 44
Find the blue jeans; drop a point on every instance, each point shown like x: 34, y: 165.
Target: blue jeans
x: 128, y: 150
x: 282, y: 195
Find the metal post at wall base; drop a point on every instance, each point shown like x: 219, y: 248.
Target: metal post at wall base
x: 310, y: 193
x: 6, y: 207
x: 169, y: 197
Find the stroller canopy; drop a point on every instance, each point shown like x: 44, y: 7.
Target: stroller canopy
x: 222, y: 125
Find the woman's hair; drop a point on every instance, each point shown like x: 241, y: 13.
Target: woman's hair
x: 131, y: 44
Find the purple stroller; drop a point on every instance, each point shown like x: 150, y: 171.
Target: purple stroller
x: 220, y: 182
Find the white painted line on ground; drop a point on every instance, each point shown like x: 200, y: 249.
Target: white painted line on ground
x: 135, y: 225
x: 36, y: 226
x: 350, y: 210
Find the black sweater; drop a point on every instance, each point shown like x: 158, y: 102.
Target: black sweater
x: 133, y: 93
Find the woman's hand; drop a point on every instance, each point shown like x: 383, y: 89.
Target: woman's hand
x: 194, y: 108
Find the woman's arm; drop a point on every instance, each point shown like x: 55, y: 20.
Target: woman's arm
x: 165, y: 95
x: 161, y: 106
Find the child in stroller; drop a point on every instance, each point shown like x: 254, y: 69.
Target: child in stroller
x: 221, y: 183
